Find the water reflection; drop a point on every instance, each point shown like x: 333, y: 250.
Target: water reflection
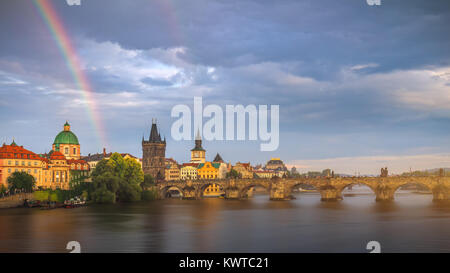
x: 411, y: 223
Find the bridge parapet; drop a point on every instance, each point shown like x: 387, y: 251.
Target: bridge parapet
x: 330, y: 188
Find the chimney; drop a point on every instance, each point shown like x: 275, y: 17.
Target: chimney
x: 104, y: 151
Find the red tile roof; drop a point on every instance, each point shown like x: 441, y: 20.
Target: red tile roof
x: 76, y: 161
x: 190, y: 164
x: 16, y: 152
x: 57, y: 156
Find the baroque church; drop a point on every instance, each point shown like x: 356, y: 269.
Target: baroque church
x: 154, y: 154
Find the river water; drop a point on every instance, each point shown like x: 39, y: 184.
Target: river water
x: 412, y: 223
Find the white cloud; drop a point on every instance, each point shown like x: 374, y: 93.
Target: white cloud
x: 363, y: 66
x: 373, y: 164
x: 128, y: 65
x: 8, y: 79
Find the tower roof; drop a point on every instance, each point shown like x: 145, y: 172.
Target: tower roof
x: 197, y: 136
x: 218, y: 158
x: 66, y: 137
x: 154, y: 135
x: 198, y: 142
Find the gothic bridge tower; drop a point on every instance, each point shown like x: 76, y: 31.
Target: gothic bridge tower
x: 154, y: 154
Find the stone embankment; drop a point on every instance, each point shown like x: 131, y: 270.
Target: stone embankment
x: 14, y: 201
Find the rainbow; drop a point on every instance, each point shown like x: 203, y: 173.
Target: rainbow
x: 62, y: 39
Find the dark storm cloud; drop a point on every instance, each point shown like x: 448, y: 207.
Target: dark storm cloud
x: 325, y: 34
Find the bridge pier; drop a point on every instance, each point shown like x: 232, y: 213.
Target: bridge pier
x: 330, y: 194
x: 232, y: 193
x: 280, y: 192
x: 190, y: 193
x: 384, y: 193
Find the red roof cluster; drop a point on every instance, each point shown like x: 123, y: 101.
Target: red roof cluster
x: 246, y: 166
x: 16, y: 152
x: 57, y: 156
x: 190, y: 164
x: 76, y: 161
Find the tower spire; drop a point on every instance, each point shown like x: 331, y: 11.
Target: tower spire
x: 154, y: 135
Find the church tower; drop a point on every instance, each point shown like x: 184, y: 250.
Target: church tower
x: 198, y: 153
x: 154, y: 154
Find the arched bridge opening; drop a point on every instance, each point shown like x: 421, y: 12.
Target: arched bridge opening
x: 357, y: 189
x: 254, y: 188
x: 212, y: 190
x: 413, y: 188
x: 171, y: 191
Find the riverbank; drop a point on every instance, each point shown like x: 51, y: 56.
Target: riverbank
x: 15, y: 200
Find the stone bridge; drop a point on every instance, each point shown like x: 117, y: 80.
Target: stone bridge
x: 330, y: 189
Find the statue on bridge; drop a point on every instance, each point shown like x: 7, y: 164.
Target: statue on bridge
x: 384, y: 172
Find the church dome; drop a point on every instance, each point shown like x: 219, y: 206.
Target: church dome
x: 66, y: 136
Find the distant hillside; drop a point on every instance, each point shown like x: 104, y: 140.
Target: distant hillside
x: 436, y: 170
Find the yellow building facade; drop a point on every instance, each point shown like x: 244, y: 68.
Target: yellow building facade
x: 188, y: 171
x: 244, y: 169
x: 14, y: 158
x: 208, y: 170
x: 172, y: 171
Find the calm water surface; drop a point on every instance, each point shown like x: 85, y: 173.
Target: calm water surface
x: 411, y: 224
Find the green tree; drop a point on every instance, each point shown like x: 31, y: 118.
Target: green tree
x: 117, y: 179
x: 149, y: 181
x: 2, y: 189
x: 21, y: 180
x: 233, y: 174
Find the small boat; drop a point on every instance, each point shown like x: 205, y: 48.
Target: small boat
x: 31, y: 203
x: 74, y: 203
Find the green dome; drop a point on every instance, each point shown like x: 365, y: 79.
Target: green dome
x: 66, y: 137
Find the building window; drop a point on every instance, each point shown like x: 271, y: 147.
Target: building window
x: 66, y: 150
x: 9, y: 162
x: 9, y: 170
x: 74, y: 151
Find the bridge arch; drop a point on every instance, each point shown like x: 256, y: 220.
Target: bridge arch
x: 166, y: 188
x: 266, y: 185
x: 202, y: 188
x: 305, y: 185
x: 357, y: 183
x: 413, y: 182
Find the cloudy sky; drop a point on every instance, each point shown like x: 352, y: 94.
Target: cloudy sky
x: 359, y: 87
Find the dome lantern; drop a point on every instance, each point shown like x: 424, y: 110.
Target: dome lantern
x: 66, y: 126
